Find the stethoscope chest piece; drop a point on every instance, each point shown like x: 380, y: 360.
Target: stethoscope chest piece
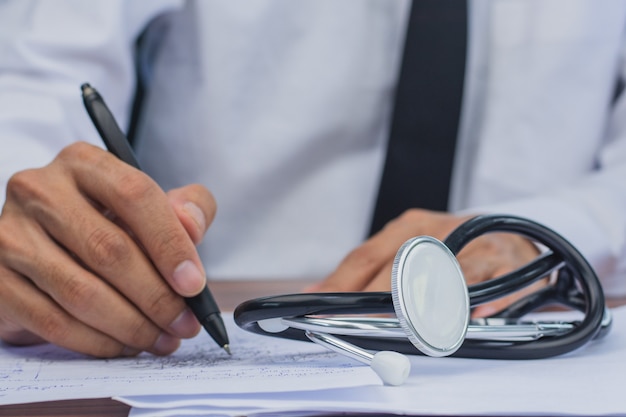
x: 430, y: 296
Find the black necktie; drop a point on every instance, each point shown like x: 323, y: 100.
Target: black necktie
x: 426, y: 113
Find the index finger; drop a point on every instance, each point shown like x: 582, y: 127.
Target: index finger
x: 144, y: 208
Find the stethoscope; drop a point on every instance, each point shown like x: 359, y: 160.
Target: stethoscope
x: 432, y: 306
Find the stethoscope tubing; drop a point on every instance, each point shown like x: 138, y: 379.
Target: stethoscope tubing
x: 574, y: 272
x: 576, y: 265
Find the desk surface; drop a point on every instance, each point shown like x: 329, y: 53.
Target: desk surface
x: 229, y: 294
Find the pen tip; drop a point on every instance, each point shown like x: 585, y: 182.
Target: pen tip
x: 227, y: 349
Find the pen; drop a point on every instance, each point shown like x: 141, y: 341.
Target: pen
x: 203, y: 305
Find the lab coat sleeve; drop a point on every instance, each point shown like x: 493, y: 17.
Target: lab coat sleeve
x: 47, y: 50
x: 591, y: 211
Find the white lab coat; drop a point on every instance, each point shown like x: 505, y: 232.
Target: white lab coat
x: 281, y: 108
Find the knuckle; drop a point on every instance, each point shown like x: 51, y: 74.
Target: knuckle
x: 106, y: 247
x: 412, y: 215
x: 8, y: 243
x: 76, y: 151
x: 129, y: 185
x: 53, y: 326
x: 173, y: 242
x: 79, y: 296
x: 142, y: 333
x: 163, y: 305
x: 81, y: 152
x: 364, y: 258
x: 26, y: 186
x: 134, y: 186
x: 412, y: 221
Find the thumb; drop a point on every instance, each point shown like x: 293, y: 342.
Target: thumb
x: 195, y: 207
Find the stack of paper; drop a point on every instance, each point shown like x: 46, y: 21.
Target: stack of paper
x: 587, y: 382
x: 270, y: 376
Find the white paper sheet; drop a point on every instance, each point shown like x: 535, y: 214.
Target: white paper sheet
x: 258, y: 364
x: 587, y: 382
x: 270, y: 376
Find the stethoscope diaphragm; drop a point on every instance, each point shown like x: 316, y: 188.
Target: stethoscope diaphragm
x: 430, y: 296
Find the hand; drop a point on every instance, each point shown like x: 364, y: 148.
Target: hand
x: 95, y: 257
x: 368, y: 267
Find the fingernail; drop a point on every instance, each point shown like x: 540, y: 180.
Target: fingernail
x: 188, y: 278
x: 185, y: 325
x: 196, y: 214
x: 165, y: 344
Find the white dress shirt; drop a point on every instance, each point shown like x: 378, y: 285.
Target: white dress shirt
x: 281, y: 109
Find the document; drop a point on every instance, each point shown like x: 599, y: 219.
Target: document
x: 586, y: 382
x: 273, y: 377
x: 258, y: 364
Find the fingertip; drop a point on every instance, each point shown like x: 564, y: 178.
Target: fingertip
x: 165, y: 345
x: 17, y: 336
x: 187, y: 279
x: 185, y: 325
x: 129, y: 352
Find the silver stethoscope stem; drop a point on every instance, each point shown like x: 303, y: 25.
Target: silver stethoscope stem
x: 349, y: 326
x: 483, y: 329
x: 340, y: 346
x: 393, y: 368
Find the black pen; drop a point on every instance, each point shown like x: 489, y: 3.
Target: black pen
x: 203, y: 305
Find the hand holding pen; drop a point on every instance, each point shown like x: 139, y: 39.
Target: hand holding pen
x: 202, y: 304
x: 96, y: 257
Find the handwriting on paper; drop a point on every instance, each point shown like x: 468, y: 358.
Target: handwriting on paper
x: 258, y: 364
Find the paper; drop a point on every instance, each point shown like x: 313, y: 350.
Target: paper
x: 258, y: 364
x: 270, y: 377
x: 587, y: 382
